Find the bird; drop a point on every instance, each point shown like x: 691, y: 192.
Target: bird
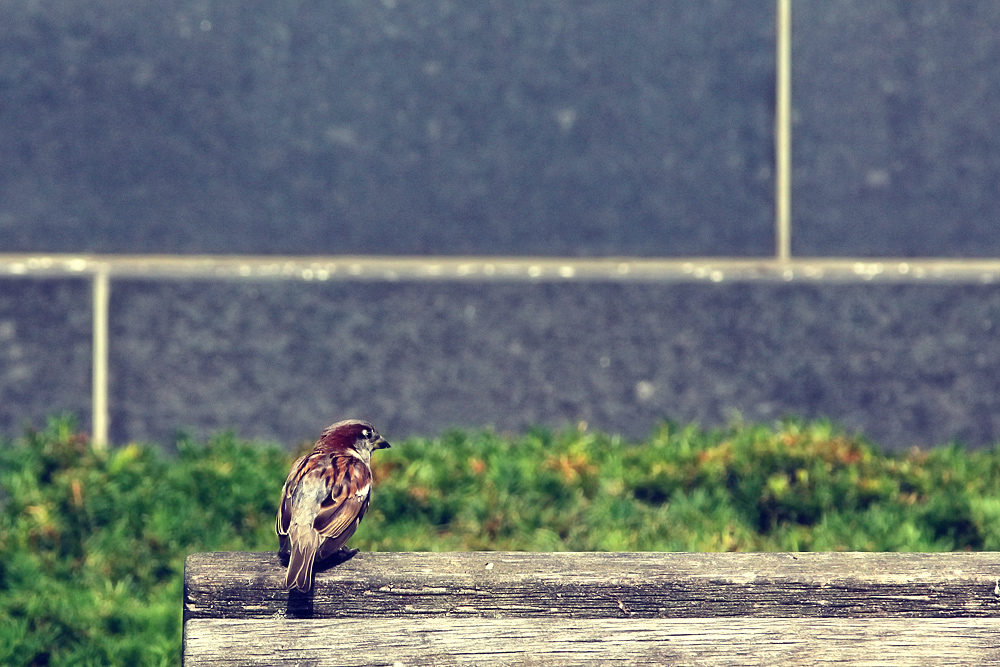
x: 325, y: 497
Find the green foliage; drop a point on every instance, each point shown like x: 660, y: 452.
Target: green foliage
x: 92, y: 543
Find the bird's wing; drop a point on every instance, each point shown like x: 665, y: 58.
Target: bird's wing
x: 348, y: 498
x: 284, y: 518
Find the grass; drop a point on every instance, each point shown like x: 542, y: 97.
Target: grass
x: 92, y: 543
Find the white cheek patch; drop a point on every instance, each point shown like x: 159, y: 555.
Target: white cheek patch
x: 363, y: 492
x: 359, y: 456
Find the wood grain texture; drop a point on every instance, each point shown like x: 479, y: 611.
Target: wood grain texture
x: 498, y: 608
x: 713, y: 642
x: 239, y: 585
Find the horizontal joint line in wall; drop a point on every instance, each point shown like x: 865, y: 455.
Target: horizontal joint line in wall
x: 488, y: 268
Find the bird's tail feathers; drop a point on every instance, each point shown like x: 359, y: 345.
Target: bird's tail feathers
x: 301, y: 558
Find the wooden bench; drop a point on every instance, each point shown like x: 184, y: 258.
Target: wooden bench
x: 502, y: 608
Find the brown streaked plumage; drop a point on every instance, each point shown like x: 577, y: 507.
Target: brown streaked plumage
x: 325, y: 497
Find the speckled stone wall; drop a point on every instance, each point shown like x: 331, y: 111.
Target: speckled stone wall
x: 387, y: 127
x: 907, y: 365
x: 896, y: 148
x: 45, y: 358
x: 559, y: 128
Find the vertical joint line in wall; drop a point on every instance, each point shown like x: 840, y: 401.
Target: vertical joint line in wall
x: 783, y: 130
x: 99, y: 347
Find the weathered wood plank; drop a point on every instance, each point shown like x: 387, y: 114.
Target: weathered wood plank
x: 704, y: 642
x: 505, y: 585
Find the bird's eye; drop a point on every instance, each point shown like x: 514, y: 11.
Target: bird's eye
x: 366, y: 433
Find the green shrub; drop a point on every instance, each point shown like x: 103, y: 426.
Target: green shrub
x: 92, y: 543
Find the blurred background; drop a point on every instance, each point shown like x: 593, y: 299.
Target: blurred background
x: 566, y: 128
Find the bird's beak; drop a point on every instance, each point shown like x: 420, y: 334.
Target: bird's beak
x: 381, y: 443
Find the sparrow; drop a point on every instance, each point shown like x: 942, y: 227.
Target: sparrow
x: 325, y: 497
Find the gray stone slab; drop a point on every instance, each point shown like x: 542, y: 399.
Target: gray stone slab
x: 905, y: 364
x: 437, y: 127
x: 896, y: 148
x: 45, y: 353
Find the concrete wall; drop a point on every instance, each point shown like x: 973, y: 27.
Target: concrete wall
x: 363, y: 126
x: 896, y: 146
x: 559, y: 128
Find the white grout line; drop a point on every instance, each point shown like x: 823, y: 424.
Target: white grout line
x: 509, y: 269
x: 99, y: 372
x: 783, y: 130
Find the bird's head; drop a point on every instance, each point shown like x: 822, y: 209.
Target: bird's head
x: 352, y: 434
